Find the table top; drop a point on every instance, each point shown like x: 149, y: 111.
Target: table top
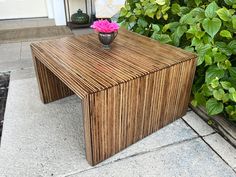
x: 93, y: 68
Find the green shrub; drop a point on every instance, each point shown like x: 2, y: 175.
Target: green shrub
x: 205, y: 27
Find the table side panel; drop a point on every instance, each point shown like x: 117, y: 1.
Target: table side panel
x: 50, y: 87
x: 126, y: 113
x: 59, y: 72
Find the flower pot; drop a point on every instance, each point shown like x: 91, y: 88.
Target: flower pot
x: 80, y: 17
x: 107, y: 38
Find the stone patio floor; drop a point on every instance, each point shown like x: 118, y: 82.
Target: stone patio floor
x: 47, y: 140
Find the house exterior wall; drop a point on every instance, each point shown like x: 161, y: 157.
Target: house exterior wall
x: 10, y: 9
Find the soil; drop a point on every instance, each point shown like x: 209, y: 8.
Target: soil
x: 4, y: 83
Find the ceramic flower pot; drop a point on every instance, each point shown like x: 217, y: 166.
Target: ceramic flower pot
x: 80, y: 17
x: 107, y: 38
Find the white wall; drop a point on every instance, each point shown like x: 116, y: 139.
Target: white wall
x: 22, y: 9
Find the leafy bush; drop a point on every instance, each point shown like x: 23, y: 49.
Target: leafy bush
x: 205, y: 27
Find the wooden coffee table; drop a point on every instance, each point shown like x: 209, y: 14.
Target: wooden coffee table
x: 127, y: 92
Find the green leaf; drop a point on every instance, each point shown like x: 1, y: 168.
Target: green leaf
x: 218, y: 94
x: 224, y: 14
x: 196, y: 32
x: 200, y: 60
x: 226, y: 33
x: 165, y: 8
x: 132, y: 19
x: 161, y: 2
x: 198, y: 2
x: 172, y: 26
x: 231, y: 11
x: 232, y: 72
x: 175, y: 8
x: 214, y: 107
x: 138, y: 5
x: 158, y: 15
x: 196, y: 42
x: 151, y: 12
x: 203, y: 49
x: 200, y: 34
x: 175, y: 39
x: 163, y: 38
x: 127, y: 6
x: 232, y: 90
x: 231, y: 110
x: 214, y: 50
x: 211, y: 9
x: 234, y: 21
x: 222, y: 46
x: 230, y: 2
x: 225, y: 98
x: 198, y: 13
x: 207, y: 39
x: 192, y: 30
x: 194, y: 103
x: 165, y: 16
x: 225, y: 84
x: 219, y: 57
x: 208, y: 60
x: 181, y: 30
x: 123, y: 12
x: 199, y: 97
x: 224, y: 65
x: 215, y: 83
x: 137, y: 12
x: 232, y: 46
x: 128, y: 14
x: 189, y: 48
x: 142, y: 23
x: 206, y: 91
x: 232, y: 81
x: 184, y: 10
x: 211, y: 26
x: 232, y: 96
x: 155, y: 27
x: 187, y: 19
x: 214, y: 72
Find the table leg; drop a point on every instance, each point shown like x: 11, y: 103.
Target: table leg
x: 50, y: 87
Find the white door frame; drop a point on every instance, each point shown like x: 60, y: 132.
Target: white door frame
x: 57, y: 11
x: 50, y: 8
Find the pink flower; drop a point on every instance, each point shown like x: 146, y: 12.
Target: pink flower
x: 104, y: 26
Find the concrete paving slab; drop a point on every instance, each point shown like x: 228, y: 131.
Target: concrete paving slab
x: 10, y: 52
x: 45, y: 22
x: 16, y: 65
x: 223, y: 148
x: 26, y: 51
x: 23, y: 74
x: 41, y: 140
x: 198, y: 124
x: 10, y: 24
x: 28, y: 23
x: 174, y: 133
x: 189, y: 159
